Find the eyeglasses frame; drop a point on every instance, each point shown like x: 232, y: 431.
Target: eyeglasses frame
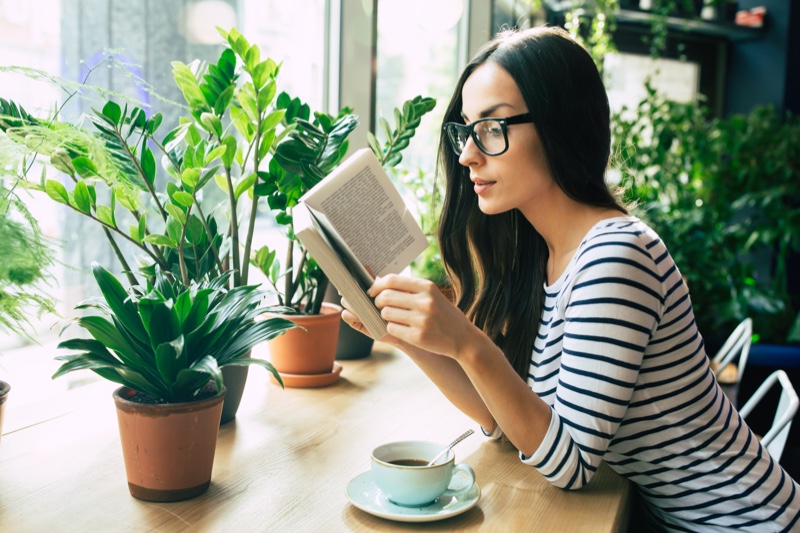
x: 524, y: 118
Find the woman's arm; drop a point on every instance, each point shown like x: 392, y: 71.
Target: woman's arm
x: 444, y: 372
x: 474, y: 373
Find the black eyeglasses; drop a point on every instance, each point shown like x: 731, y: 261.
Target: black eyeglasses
x: 490, y: 134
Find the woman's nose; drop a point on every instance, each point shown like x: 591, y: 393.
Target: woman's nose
x: 470, y: 154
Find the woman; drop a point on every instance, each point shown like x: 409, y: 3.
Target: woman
x: 533, y: 240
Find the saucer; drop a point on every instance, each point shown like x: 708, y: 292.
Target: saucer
x: 364, y: 494
x: 310, y: 380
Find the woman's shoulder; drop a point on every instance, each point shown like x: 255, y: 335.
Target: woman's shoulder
x: 623, y: 235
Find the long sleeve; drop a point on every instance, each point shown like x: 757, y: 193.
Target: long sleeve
x: 620, y: 361
x: 604, y: 311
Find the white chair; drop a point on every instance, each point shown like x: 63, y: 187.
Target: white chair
x: 737, y: 345
x: 775, y: 439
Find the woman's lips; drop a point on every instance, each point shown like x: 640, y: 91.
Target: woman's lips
x: 481, y: 186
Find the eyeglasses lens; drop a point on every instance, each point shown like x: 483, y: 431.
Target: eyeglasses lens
x: 489, y: 135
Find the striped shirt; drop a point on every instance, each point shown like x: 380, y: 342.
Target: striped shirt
x: 619, y: 359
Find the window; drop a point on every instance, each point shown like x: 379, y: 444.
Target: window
x: 418, y: 55
x: 68, y: 39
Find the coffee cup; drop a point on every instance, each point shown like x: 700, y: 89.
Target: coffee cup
x: 400, y: 471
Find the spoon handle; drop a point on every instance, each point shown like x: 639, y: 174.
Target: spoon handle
x: 449, y: 446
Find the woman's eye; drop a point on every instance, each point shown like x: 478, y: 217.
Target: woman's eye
x: 494, y: 130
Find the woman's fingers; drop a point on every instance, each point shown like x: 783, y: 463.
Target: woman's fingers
x: 400, y: 283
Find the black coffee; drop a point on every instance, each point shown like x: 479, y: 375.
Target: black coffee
x: 409, y: 462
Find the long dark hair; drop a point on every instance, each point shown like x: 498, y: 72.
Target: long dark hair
x: 497, y: 264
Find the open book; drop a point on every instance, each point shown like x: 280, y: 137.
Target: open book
x: 355, y: 220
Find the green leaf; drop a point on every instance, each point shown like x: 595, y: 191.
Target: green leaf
x: 266, y: 95
x: 211, y: 123
x: 118, y: 301
x: 194, y: 230
x: 387, y: 129
x: 244, y: 185
x: 160, y: 320
x: 174, y: 229
x: 214, y: 154
x: 84, y: 167
x: 112, y: 111
x: 187, y: 83
x: 154, y: 123
x: 190, y: 380
x: 252, y: 58
x: 183, y: 198
x: 222, y: 182
x: 374, y: 145
x: 105, y: 215
x: 190, y: 177
x: 242, y: 123
x: 241, y: 46
x: 224, y: 100
x: 209, y: 365
x: 170, y: 359
x: 127, y: 197
x: 230, y: 151
x: 176, y: 213
x: 261, y: 73
x: 246, y: 361
x: 56, y: 191
x: 134, y: 233
x: 247, y: 99
x: 142, y: 227
x: 84, y: 361
x: 160, y: 240
x: 81, y: 198
x: 272, y: 120
x: 148, y: 165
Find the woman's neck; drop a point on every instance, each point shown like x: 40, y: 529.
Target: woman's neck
x: 563, y: 223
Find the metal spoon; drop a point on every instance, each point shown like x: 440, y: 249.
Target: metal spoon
x: 443, y: 452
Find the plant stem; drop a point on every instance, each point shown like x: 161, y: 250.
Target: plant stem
x: 237, y: 275
x: 181, y: 245
x: 287, y: 283
x: 121, y: 258
x: 254, y: 206
x: 141, y: 173
x: 208, y: 233
x: 316, y: 306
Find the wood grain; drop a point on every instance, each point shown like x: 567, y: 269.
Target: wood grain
x: 283, y: 464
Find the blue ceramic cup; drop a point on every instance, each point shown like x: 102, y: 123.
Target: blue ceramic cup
x: 399, y: 470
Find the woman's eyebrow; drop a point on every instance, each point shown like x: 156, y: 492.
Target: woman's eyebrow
x: 488, y: 111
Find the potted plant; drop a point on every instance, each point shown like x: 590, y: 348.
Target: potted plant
x: 23, y: 273
x: 167, y: 213
x: 165, y: 344
x: 314, y: 147
x: 238, y: 134
x: 725, y: 193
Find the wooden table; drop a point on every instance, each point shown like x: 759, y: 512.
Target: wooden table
x: 283, y: 464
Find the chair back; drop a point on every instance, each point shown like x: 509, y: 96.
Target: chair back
x: 737, y: 344
x: 775, y: 439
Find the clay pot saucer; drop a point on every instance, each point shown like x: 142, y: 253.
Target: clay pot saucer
x: 310, y: 380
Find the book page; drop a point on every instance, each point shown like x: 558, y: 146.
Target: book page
x: 363, y: 205
x: 341, y: 248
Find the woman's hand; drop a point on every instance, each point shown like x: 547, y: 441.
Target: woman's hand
x: 420, y: 315
x: 354, y: 322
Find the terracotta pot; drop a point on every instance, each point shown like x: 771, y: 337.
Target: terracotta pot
x: 4, y: 389
x: 168, y: 448
x: 311, y: 351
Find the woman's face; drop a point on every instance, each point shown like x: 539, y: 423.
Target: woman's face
x: 518, y: 178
